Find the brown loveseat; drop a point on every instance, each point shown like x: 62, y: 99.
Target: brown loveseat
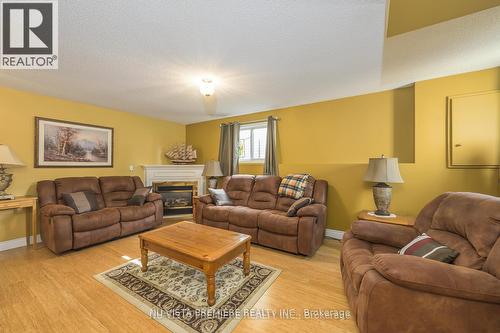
x: 62, y: 229
x: 388, y: 292
x: 261, y: 213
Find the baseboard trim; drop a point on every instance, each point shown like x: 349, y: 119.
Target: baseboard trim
x: 335, y: 234
x: 20, y: 242
x: 15, y: 243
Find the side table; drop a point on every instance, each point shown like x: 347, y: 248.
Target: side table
x: 25, y: 202
x: 398, y: 219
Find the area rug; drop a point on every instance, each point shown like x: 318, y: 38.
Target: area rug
x: 175, y: 294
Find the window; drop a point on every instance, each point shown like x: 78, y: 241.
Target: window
x: 253, y: 142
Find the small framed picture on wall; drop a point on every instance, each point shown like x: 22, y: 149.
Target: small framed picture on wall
x: 68, y: 144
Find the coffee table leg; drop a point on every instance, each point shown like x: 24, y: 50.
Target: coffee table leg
x: 210, y: 287
x: 144, y: 259
x: 246, y: 259
x: 209, y: 270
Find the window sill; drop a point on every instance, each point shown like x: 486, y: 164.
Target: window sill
x: 252, y: 162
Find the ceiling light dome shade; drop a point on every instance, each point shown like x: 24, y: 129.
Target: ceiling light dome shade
x: 207, y: 87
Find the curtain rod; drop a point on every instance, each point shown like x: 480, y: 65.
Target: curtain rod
x: 252, y: 121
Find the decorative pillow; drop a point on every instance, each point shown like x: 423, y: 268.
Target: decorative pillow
x: 293, y: 186
x: 426, y: 247
x: 139, y: 196
x: 81, y: 202
x: 292, y: 211
x: 220, y: 197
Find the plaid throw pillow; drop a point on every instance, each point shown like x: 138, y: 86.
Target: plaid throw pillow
x: 426, y: 247
x: 81, y: 202
x: 293, y: 186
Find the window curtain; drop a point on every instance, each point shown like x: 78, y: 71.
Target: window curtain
x: 229, y: 148
x: 271, y: 158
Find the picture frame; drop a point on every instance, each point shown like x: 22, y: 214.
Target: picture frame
x: 66, y: 144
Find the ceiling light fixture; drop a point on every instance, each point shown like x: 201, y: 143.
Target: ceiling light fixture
x: 207, y: 87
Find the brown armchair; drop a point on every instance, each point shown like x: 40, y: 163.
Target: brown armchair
x: 389, y: 292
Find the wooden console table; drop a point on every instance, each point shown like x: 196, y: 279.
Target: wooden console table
x: 25, y: 202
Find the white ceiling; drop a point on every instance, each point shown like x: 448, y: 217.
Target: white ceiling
x: 142, y: 56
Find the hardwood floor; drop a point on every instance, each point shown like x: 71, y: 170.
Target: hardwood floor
x: 44, y: 292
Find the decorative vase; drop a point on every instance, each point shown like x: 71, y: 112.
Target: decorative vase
x: 382, y: 194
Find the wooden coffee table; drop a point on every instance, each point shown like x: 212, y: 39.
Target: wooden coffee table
x: 203, y: 247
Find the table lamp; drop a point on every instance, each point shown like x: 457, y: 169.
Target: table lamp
x: 7, y: 159
x: 381, y: 171
x: 212, y: 170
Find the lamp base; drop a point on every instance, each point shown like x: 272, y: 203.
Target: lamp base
x: 5, y: 181
x: 212, y: 182
x: 7, y: 196
x: 382, y: 195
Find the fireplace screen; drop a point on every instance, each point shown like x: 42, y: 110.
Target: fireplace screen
x: 177, y: 197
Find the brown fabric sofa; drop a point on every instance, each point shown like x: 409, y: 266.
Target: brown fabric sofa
x: 62, y: 229
x: 388, y: 292
x: 261, y: 213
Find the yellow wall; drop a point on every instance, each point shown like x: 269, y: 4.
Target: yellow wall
x: 138, y: 140
x: 407, y: 15
x: 333, y: 140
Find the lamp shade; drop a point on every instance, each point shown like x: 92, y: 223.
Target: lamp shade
x: 8, y: 158
x: 212, y: 169
x: 383, y: 170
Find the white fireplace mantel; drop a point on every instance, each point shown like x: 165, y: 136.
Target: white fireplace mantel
x: 175, y: 172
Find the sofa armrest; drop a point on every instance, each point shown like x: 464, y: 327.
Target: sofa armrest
x: 438, y: 278
x: 56, y: 210
x: 314, y: 210
x: 383, y: 233
x: 206, y: 199
x: 153, y: 197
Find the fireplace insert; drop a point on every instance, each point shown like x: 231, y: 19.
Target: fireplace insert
x: 177, y: 197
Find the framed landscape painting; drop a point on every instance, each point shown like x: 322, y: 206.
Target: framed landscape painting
x: 68, y: 144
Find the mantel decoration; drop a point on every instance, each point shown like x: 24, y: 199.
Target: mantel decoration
x: 7, y: 159
x: 381, y: 171
x: 68, y: 144
x: 182, y: 154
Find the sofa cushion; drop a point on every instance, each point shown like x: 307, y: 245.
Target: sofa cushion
x: 78, y: 184
x: 265, y: 192
x: 473, y: 216
x: 117, y: 190
x: 238, y: 188
x: 217, y: 213
x: 302, y: 202
x: 87, y: 238
x: 244, y: 216
x: 277, y: 222
x: 426, y: 247
x: 220, y: 197
x: 134, y: 213
x: 81, y: 202
x: 139, y: 196
x: 95, y: 220
x: 467, y: 257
